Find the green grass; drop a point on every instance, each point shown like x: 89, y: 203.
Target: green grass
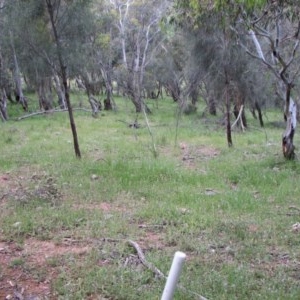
x: 230, y: 210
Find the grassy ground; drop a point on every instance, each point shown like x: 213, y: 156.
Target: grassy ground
x: 65, y: 223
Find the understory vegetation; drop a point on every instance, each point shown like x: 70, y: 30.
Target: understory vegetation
x: 66, y: 224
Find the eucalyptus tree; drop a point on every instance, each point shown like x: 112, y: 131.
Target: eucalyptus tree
x: 68, y: 26
x: 53, y: 35
x: 138, y: 22
x: 96, y: 71
x: 170, y: 68
x: 217, y: 56
x: 106, y: 49
x: 274, y: 36
x: 3, y: 71
x: 10, y: 62
x: 269, y: 31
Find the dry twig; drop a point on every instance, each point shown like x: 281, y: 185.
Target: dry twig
x: 142, y: 258
x: 151, y: 267
x: 45, y: 112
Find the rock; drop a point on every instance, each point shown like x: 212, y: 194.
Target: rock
x: 94, y: 177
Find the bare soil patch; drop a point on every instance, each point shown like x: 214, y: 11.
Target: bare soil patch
x: 27, y: 270
x: 192, y: 155
x: 22, y: 266
x: 103, y: 206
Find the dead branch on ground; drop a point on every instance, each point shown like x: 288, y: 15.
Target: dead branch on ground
x: 50, y: 112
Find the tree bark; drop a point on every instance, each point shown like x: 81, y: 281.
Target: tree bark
x: 45, y: 94
x: 60, y: 93
x: 227, y: 100
x: 109, y: 101
x: 3, y: 105
x: 260, y: 117
x: 95, y: 105
x: 17, y: 78
x: 212, y: 106
x: 288, y: 136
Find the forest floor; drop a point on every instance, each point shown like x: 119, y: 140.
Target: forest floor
x: 107, y: 226
x: 27, y: 268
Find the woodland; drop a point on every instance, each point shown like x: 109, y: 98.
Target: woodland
x: 133, y: 129
x: 231, y: 55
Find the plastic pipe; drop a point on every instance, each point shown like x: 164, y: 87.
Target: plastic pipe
x: 173, y: 277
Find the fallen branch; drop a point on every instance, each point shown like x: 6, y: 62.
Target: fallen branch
x: 155, y: 270
x: 150, y: 266
x: 295, y: 213
x: 134, y: 124
x: 151, y: 226
x: 44, y: 112
x: 294, y: 207
x: 142, y: 258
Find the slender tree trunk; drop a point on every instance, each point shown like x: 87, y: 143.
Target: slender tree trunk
x: 109, y: 101
x: 60, y: 93
x: 260, y: 117
x: 212, y: 108
x: 227, y: 100
x: 63, y: 70
x: 3, y: 97
x: 17, y: 78
x: 3, y: 105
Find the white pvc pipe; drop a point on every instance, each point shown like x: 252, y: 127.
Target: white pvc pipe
x: 173, y: 277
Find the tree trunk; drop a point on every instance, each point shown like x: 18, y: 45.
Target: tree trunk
x: 290, y: 116
x: 194, y: 95
x: 64, y: 78
x: 227, y: 100
x: 3, y: 105
x: 17, y: 78
x: 139, y: 103
x: 173, y: 88
x: 260, y: 117
x: 109, y: 103
x: 60, y: 93
x: 239, y: 112
x: 212, y: 108
x: 95, y: 105
x: 45, y: 94
x: 290, y: 112
x: 134, y: 94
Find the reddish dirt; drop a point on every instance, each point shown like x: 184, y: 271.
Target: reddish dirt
x: 4, y: 183
x: 27, y: 270
x: 15, y: 278
x: 20, y: 263
x: 199, y: 152
x: 103, y: 206
x: 151, y: 240
x: 3, y: 180
x: 191, y: 156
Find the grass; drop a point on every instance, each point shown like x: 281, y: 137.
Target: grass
x: 230, y: 210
